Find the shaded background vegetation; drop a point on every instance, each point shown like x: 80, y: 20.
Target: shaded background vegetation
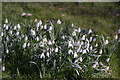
x: 103, y: 18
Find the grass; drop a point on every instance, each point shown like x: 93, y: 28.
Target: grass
x: 102, y: 17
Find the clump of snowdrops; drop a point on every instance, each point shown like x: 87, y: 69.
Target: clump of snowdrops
x: 59, y: 50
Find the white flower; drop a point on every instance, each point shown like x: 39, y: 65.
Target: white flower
x: 41, y: 26
x: 37, y: 25
x: 96, y: 45
x: 101, y: 51
x: 63, y: 37
x: 44, y: 39
x: 49, y: 42
x: 91, y: 47
x: 37, y: 38
x: 26, y: 38
x: 28, y: 44
x: 74, y: 33
x: 81, y: 59
x: 107, y: 68
x: 40, y: 22
x: 15, y: 27
x: 70, y: 52
x: 3, y: 68
x: 7, y: 38
x: 6, y: 27
x: 56, y: 49
x: 75, y: 55
x: 2, y: 34
x: 94, y: 65
x: 48, y: 54
x: 45, y: 26
x: 33, y: 32
x: 7, y: 51
x: 91, y: 38
x: 18, y: 26
x: 17, y: 33
x: 84, y: 51
x: 90, y: 31
x: 24, y: 45
x: 53, y: 42
x: 106, y: 42
x: 6, y: 20
x: 58, y: 22
x: 42, y: 55
x: 42, y: 44
x: 70, y: 44
x: 83, y: 37
x: 79, y: 30
x: 50, y: 28
x: 116, y: 37
x: 108, y: 59
x: 94, y: 39
x: 72, y: 24
x: 10, y: 32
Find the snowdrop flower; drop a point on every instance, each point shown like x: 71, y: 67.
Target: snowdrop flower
x: 3, y: 68
x: 6, y: 27
x: 70, y: 44
x: 63, y: 37
x: 101, y: 51
x: 91, y: 47
x: 6, y: 20
x: 7, y: 51
x: 42, y: 55
x: 50, y: 28
x: 81, y: 59
x: 28, y: 44
x: 108, y: 59
x: 2, y: 34
x: 119, y: 31
x: 11, y: 32
x: 18, y: 26
x: 17, y: 33
x: 94, y: 39
x: 75, y: 55
x: 70, y: 52
x: 83, y: 37
x: 45, y: 40
x: 94, y: 65
x: 41, y: 44
x: 107, y: 68
x: 96, y: 45
x: 74, y: 33
x: 45, y: 26
x: 33, y: 32
x: 91, y: 39
x: 72, y: 24
x: 84, y: 51
x: 49, y: 42
x: 53, y: 42
x: 106, y: 42
x: 40, y: 22
x: 79, y: 30
x: 58, y: 22
x: 90, y: 31
x: 15, y: 27
x: 116, y: 37
x: 56, y: 49
x: 37, y: 38
x: 48, y: 54
x: 24, y: 45
x: 7, y: 38
x: 37, y: 25
x: 26, y: 38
